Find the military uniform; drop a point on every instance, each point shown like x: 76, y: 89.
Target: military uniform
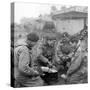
x: 62, y: 55
x: 77, y: 72
x: 48, y: 52
x: 24, y: 72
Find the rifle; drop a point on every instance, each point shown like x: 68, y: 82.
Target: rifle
x: 76, y: 49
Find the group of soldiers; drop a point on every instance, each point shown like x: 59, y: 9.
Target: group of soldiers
x: 35, y: 57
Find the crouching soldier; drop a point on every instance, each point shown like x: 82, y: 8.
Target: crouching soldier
x: 45, y: 60
x: 77, y: 72
x: 24, y: 72
x: 48, y: 49
x: 63, y: 50
x: 63, y: 59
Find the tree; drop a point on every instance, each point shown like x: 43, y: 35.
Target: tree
x: 53, y: 9
x: 63, y: 8
x: 29, y: 24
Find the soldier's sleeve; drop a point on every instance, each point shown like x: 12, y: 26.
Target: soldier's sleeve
x: 75, y: 64
x: 24, y: 61
x: 57, y: 54
x: 43, y: 59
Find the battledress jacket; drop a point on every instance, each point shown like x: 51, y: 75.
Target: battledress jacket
x: 23, y: 70
x: 77, y: 72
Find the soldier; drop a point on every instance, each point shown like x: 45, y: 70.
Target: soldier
x: 77, y: 72
x: 49, y: 49
x: 25, y: 73
x: 63, y: 49
x: 48, y: 54
x: 62, y: 58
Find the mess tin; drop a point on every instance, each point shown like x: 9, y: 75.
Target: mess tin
x: 50, y: 75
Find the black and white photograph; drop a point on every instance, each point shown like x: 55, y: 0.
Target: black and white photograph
x: 49, y: 44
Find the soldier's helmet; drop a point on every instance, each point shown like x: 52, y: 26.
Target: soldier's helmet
x: 65, y: 37
x: 83, y: 34
x: 74, y: 39
x: 33, y: 37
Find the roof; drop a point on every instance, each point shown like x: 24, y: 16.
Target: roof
x: 71, y: 13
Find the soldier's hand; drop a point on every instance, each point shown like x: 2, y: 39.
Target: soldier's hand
x: 49, y: 71
x: 64, y: 76
x: 52, y: 70
x: 36, y: 72
x: 50, y: 65
x: 71, y: 54
x: 45, y: 69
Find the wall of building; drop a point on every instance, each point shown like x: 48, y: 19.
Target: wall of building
x: 71, y: 26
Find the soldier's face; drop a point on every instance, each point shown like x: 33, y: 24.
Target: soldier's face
x: 74, y: 44
x: 30, y: 43
x: 33, y: 43
x: 50, y: 42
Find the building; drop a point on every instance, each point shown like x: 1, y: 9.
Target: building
x: 71, y: 20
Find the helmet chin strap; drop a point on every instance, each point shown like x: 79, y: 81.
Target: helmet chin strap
x: 29, y: 46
